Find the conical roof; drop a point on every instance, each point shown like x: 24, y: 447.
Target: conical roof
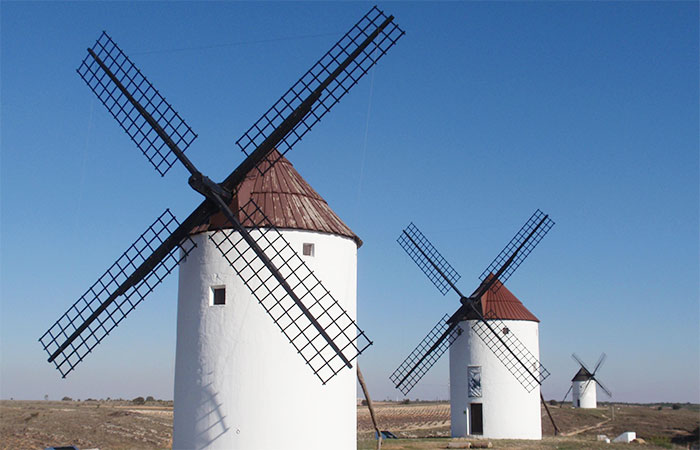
x: 582, y: 375
x: 503, y: 305
x: 284, y: 197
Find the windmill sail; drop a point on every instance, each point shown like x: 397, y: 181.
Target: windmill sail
x: 113, y: 296
x: 425, y: 355
x: 524, y: 241
x: 326, y: 82
x: 153, y: 125
x: 294, y: 313
x: 127, y: 94
x: 508, y: 348
x: 512, y: 353
x: 589, y: 375
x: 428, y: 259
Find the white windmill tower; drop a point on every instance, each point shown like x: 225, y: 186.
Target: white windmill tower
x: 485, y: 398
x: 584, y: 385
x: 239, y: 384
x: 233, y: 372
x: 494, y: 375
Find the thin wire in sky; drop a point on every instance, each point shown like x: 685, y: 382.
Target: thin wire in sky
x: 364, y: 146
x: 235, y: 44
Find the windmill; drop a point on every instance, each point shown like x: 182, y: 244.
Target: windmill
x: 484, y: 395
x: 231, y: 231
x: 584, y: 384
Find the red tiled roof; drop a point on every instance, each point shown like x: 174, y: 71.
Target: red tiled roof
x: 504, y: 305
x: 285, y: 198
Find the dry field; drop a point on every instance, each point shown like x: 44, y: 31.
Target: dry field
x: 428, y: 427
x: 88, y: 424
x: 421, y: 426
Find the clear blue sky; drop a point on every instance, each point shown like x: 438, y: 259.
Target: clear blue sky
x: 482, y: 113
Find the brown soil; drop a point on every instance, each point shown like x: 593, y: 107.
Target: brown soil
x: 666, y: 428
x: 121, y: 425
x: 103, y: 425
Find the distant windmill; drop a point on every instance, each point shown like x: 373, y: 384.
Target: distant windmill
x: 234, y: 377
x: 485, y: 398
x: 584, y: 384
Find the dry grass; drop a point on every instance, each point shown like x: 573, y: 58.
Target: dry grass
x: 104, y: 425
x: 428, y: 424
x: 422, y: 426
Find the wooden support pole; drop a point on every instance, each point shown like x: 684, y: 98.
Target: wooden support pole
x: 361, y: 379
x: 556, y: 429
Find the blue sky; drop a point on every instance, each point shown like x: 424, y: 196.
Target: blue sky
x: 482, y: 113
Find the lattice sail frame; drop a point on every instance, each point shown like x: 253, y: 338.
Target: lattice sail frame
x: 105, y: 286
x: 399, y: 377
x: 438, y: 271
x: 534, y: 220
x: 528, y: 371
x: 284, y: 312
x: 314, y: 77
x: 428, y: 259
x: 124, y: 111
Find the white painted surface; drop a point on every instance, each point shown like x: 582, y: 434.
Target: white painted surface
x: 584, y: 394
x: 509, y: 411
x: 239, y: 383
x: 626, y: 437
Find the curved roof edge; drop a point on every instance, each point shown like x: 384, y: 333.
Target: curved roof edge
x: 285, y: 199
x: 503, y: 304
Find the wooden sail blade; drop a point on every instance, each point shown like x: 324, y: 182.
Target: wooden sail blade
x: 116, y: 293
x: 515, y: 252
x: 425, y: 355
x: 512, y: 353
x: 314, y: 322
x: 144, y: 114
x: 326, y: 82
x: 428, y: 259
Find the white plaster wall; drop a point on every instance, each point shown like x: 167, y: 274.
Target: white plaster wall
x: 588, y: 396
x: 509, y: 411
x: 239, y: 383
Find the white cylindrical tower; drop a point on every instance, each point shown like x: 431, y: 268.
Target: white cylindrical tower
x: 239, y: 383
x: 486, y: 400
x: 584, y: 390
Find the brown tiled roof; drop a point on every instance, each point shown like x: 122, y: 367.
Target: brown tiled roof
x: 504, y: 305
x: 285, y: 198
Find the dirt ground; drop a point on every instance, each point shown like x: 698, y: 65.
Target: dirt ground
x: 421, y: 426
x: 103, y: 425
x: 428, y: 426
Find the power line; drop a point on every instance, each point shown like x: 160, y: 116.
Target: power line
x: 235, y: 44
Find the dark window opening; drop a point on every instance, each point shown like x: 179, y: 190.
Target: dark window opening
x: 219, y: 296
x: 308, y: 249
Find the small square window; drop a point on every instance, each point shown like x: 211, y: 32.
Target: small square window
x: 308, y: 249
x: 219, y: 296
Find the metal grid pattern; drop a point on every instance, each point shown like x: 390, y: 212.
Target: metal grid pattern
x: 285, y: 313
x: 521, y: 363
x: 421, y: 359
x: 315, y: 77
x: 430, y: 261
x: 529, y: 236
x: 105, y: 287
x: 123, y: 109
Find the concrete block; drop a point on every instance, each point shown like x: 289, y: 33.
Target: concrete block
x: 626, y: 437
